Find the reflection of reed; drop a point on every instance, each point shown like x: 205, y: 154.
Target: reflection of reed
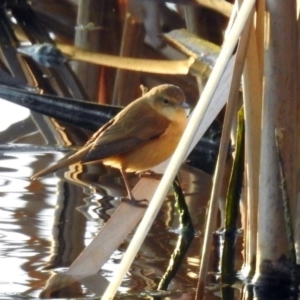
x: 69, y: 227
x: 102, y: 185
x: 73, y: 189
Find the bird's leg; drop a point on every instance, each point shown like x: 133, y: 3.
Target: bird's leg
x: 124, y: 175
x: 131, y: 198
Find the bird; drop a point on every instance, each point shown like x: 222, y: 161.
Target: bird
x: 142, y: 135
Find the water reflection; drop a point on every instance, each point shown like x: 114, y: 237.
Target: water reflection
x: 24, y: 228
x: 44, y: 225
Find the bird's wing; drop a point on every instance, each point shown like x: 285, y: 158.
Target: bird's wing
x: 99, y: 131
x: 121, y: 137
x: 75, y: 156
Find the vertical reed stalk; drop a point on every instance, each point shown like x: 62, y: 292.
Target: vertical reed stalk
x: 252, y: 94
x: 279, y: 111
x: 87, y: 37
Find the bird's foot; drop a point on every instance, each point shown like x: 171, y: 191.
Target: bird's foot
x: 151, y: 174
x: 138, y: 203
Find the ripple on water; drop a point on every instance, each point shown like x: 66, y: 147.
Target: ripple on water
x: 45, y: 225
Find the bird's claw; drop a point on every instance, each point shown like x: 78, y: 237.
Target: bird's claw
x: 151, y: 174
x: 137, y: 203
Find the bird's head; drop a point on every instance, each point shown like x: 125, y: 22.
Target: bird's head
x: 169, y: 100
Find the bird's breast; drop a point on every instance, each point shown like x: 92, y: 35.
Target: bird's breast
x: 150, y: 153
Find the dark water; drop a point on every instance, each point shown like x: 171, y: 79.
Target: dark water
x: 44, y: 225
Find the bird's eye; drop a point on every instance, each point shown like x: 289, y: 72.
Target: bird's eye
x: 166, y: 101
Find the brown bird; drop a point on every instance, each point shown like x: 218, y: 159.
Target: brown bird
x: 142, y: 135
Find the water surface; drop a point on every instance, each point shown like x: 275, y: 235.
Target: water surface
x: 45, y: 224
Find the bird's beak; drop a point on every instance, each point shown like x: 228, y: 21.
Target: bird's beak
x: 185, y: 105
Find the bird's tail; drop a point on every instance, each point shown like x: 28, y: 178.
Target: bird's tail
x: 60, y: 164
